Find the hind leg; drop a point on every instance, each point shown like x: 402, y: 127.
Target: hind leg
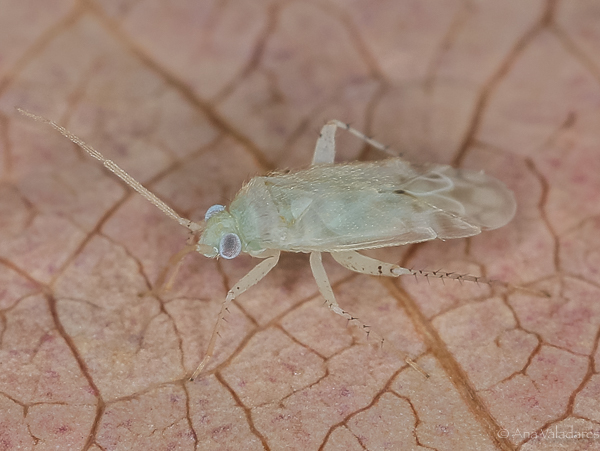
x: 325, y: 148
x: 367, y: 265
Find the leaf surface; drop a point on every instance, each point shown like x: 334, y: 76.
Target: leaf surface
x: 193, y: 99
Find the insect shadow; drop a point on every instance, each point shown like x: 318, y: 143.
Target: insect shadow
x: 335, y: 208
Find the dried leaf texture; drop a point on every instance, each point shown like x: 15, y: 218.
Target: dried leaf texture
x: 195, y: 97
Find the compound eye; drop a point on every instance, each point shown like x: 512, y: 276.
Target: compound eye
x: 230, y: 246
x: 213, y: 211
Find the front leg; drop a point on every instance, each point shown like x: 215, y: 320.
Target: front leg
x: 250, y: 279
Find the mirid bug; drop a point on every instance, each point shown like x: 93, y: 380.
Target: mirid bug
x: 336, y: 208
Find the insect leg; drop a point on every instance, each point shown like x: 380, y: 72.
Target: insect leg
x: 253, y: 277
x: 172, y: 268
x: 367, y: 265
x: 318, y: 270
x: 325, y: 148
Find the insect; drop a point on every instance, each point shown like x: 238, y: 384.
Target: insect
x: 336, y: 208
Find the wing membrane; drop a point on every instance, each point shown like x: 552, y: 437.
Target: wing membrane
x: 384, y: 203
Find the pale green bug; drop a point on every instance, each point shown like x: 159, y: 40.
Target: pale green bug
x: 337, y: 208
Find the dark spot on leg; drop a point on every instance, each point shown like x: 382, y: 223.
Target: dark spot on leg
x: 379, y: 269
x: 399, y: 191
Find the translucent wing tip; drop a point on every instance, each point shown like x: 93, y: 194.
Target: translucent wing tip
x: 489, y: 203
x: 478, y: 199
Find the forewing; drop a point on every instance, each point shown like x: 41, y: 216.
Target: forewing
x: 385, y: 203
x: 469, y: 196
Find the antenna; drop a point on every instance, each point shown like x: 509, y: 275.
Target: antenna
x: 118, y: 171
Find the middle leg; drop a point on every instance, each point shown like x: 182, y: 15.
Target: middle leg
x: 318, y: 270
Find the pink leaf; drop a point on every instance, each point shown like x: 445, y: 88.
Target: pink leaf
x: 193, y: 98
